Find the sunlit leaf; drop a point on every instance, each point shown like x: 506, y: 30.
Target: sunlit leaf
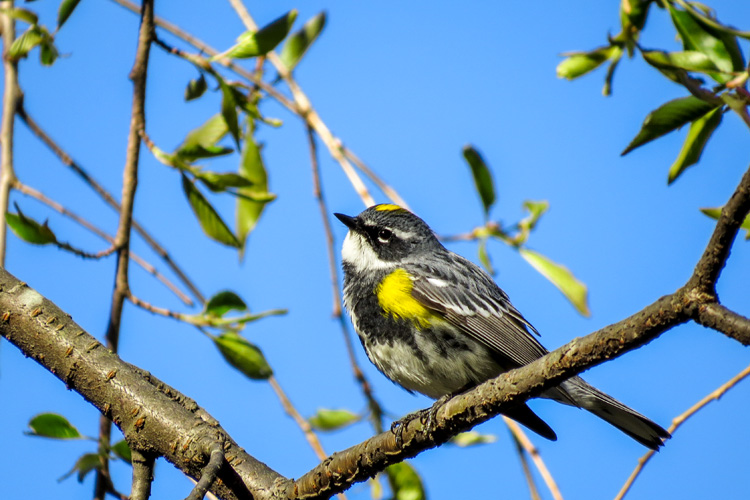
x: 229, y: 111
x: 329, y: 420
x: 122, y: 450
x: 85, y: 464
x: 472, y: 438
x: 243, y: 355
x: 406, y: 482
x: 720, y: 47
x: 47, y: 52
x: 223, y: 302
x: 297, y: 44
x: 253, y: 169
x: 29, y: 39
x: 689, y: 60
x: 482, y: 177
x: 52, y: 425
x: 484, y: 257
x: 579, y: 63
x: 697, y: 137
x: 536, y: 209
x: 715, y: 213
x: 258, y: 43
x: 561, y: 277
x: 65, y: 10
x: 20, y: 14
x: 668, y: 117
x: 211, y: 223
x: 195, y: 88
x: 219, y: 182
x: 28, y: 229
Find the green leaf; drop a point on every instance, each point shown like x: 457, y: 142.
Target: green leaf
x: 482, y: 177
x: 484, y: 258
x: 263, y: 41
x: 330, y: 420
x: 697, y: 137
x: 209, y: 219
x: 122, y: 450
x: 243, y: 355
x: 578, y: 64
x: 720, y: 47
x: 296, y: 45
x: 472, y: 438
x: 223, y: 302
x: 633, y: 14
x: 668, y: 117
x: 206, y: 136
x: 65, y: 10
x: 253, y: 169
x: 536, y: 209
x: 406, y: 482
x: 47, y: 52
x: 715, y: 213
x: 689, y: 60
x: 199, y: 152
x: 52, y: 425
x: 21, y: 15
x: 561, y: 277
x: 28, y: 229
x: 85, y: 464
x: 195, y: 88
x: 229, y: 111
x: 29, y: 39
x: 219, y: 182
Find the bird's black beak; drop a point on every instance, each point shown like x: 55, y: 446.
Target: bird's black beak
x: 350, y: 222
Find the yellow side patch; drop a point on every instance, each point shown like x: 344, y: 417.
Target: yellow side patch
x: 394, y: 296
x: 387, y: 207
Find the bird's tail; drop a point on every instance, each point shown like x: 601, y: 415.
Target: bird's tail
x: 626, y: 419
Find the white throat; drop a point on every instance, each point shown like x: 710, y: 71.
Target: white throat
x: 358, y: 253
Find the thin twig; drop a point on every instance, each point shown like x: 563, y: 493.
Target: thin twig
x: 209, y: 473
x: 375, y: 409
x: 375, y: 178
x: 201, y: 320
x: 523, y: 440
x: 33, y: 193
x: 143, y: 475
x: 533, y: 490
x: 66, y: 159
x: 301, y: 422
x: 678, y: 421
x: 11, y: 99
x: 308, y: 113
x: 122, y: 238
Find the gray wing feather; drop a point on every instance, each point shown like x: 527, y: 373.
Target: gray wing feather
x: 477, y: 306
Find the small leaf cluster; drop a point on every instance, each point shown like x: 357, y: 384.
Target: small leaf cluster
x: 518, y: 234
x: 710, y: 67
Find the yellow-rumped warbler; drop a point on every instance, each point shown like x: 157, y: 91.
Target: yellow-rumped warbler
x: 435, y: 323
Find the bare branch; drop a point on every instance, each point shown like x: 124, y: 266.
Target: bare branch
x: 12, y: 97
x: 143, y: 475
x: 678, y: 421
x: 209, y: 473
x: 523, y: 440
x: 733, y: 325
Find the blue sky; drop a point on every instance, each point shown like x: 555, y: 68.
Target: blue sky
x: 405, y: 85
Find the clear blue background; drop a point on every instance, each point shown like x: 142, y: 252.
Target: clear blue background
x: 405, y: 85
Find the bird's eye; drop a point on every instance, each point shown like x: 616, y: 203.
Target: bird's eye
x: 384, y: 235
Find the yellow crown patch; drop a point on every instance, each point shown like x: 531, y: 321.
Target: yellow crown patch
x: 388, y: 207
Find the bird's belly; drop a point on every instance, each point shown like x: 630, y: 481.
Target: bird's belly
x: 434, y: 362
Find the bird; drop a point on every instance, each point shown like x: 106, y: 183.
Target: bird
x: 435, y: 323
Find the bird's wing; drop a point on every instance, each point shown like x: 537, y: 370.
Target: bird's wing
x: 480, y: 309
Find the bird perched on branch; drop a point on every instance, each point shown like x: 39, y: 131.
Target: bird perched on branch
x: 437, y: 324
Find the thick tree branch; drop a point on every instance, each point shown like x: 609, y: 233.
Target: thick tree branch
x: 154, y: 417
